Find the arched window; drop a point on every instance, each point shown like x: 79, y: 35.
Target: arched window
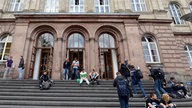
x: 5, y: 45
x: 150, y: 49
x: 51, y: 6
x: 45, y: 40
x: 102, y: 6
x: 76, y: 6
x: 175, y: 13
x: 75, y: 40
x: 15, y: 5
x: 106, y: 41
x: 138, y: 5
x: 188, y: 52
x: 190, y: 6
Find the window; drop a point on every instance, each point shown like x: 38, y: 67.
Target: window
x: 51, y: 6
x: 106, y: 41
x: 102, y: 6
x: 15, y: 5
x: 175, y: 13
x: 150, y: 49
x: 5, y: 45
x: 76, y: 40
x: 138, y: 5
x: 190, y: 7
x: 45, y: 40
x: 76, y: 6
x: 188, y: 52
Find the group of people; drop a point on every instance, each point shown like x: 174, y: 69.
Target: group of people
x: 9, y: 65
x: 78, y: 72
x: 159, y: 99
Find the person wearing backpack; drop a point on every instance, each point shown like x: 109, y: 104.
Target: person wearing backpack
x: 136, y: 81
x: 123, y: 90
x: 155, y: 74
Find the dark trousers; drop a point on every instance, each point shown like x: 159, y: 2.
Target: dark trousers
x: 177, y: 88
x: 124, y: 100
x: 94, y: 79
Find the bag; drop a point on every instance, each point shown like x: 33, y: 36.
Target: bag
x: 161, y: 74
x: 122, y: 88
x: 139, y: 74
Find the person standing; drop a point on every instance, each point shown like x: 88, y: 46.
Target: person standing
x: 136, y: 81
x: 157, y: 81
x: 122, y: 89
x: 75, y: 65
x: 21, y: 67
x: 8, y: 67
x: 66, y: 67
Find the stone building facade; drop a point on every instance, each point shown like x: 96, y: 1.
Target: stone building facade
x: 101, y: 34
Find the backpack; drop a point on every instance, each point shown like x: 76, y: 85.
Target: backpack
x: 139, y: 74
x: 122, y: 87
x: 161, y: 74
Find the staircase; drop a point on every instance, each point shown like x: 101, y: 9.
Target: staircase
x: 68, y: 94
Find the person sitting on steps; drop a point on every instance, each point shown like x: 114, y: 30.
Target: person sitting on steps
x: 94, y: 76
x: 83, y: 77
x: 45, y: 82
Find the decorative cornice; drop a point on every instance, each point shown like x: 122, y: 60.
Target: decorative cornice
x: 169, y: 21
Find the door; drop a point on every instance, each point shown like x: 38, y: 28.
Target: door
x: 106, y: 66
x: 45, y: 62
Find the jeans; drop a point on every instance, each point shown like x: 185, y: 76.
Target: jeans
x: 158, y: 87
x: 123, y: 101
x: 140, y: 86
x: 20, y: 73
x: 75, y: 73
x: 66, y: 74
x: 7, y: 72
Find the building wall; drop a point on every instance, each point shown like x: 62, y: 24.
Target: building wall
x: 170, y: 38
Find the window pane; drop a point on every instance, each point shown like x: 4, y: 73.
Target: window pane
x: 175, y: 13
x: 76, y: 40
x: 1, y: 49
x: 190, y: 47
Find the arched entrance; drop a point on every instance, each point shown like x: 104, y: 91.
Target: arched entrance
x: 107, y: 56
x: 43, y: 54
x: 75, y: 48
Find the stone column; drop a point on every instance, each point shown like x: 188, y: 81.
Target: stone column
x: 1, y: 7
x: 89, y: 6
x: 154, y: 4
x: 26, y: 4
x: 19, y: 42
x: 134, y: 44
x: 56, y: 66
x: 62, y: 5
x: 92, y: 53
x: 127, y: 5
x: 32, y: 5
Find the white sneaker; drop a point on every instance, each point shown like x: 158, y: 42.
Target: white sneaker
x: 187, y: 96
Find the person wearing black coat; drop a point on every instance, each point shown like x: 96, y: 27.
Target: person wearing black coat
x: 66, y: 68
x: 21, y: 67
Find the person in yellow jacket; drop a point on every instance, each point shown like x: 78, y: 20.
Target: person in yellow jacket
x: 83, y: 77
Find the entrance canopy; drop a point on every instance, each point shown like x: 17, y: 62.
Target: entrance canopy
x: 187, y: 17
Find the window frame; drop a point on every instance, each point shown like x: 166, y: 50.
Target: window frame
x: 7, y: 36
x: 72, y: 38
x: 51, y: 6
x: 73, y: 6
x: 106, y: 37
x: 140, y: 3
x: 98, y: 6
x: 190, y: 55
x: 173, y: 7
x: 149, y: 49
x: 15, y: 5
x: 190, y: 7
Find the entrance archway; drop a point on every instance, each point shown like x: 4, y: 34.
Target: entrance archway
x: 75, y: 48
x: 43, y: 54
x: 107, y: 56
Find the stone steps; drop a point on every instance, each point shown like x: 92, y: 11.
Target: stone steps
x: 69, y: 94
